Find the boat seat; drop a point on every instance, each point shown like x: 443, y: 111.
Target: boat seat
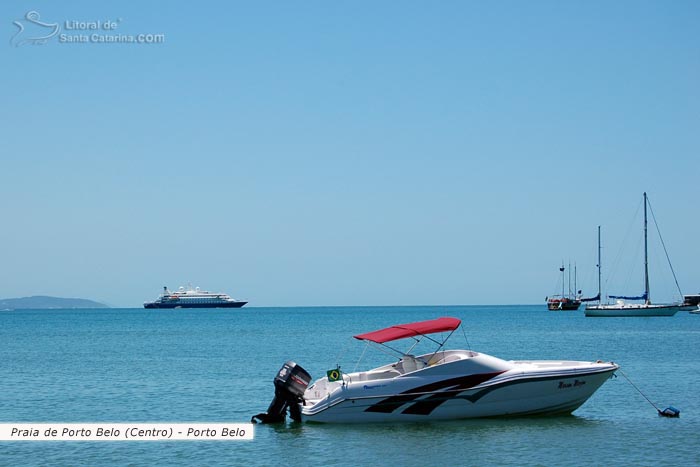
x: 410, y: 363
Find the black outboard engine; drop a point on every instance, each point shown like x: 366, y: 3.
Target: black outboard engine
x: 290, y: 383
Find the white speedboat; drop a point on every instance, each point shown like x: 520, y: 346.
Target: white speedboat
x: 442, y: 385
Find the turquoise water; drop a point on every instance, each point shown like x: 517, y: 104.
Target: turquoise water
x: 134, y: 365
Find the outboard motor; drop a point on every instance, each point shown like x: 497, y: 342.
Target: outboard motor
x: 290, y: 383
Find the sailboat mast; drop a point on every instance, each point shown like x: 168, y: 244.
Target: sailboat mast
x: 562, y: 278
x: 599, y: 291
x: 646, y: 258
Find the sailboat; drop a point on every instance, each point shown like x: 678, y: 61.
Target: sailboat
x: 564, y: 302
x: 621, y: 307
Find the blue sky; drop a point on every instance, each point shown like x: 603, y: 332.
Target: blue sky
x: 367, y: 153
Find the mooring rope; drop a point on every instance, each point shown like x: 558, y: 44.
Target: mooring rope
x: 638, y: 390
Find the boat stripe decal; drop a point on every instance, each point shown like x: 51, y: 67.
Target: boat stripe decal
x: 452, y: 388
x: 392, y: 403
x: 430, y: 403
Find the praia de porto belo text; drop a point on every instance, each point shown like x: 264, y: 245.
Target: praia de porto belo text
x: 125, y: 431
x: 132, y: 432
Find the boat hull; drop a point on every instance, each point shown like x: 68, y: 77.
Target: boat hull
x: 517, y: 392
x: 617, y: 311
x: 195, y: 305
x: 565, y: 305
x: 691, y: 300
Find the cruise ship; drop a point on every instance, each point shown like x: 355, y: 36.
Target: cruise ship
x: 193, y: 298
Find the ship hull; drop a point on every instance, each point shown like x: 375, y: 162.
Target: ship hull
x: 691, y: 300
x: 195, y: 305
x: 557, y: 304
x: 564, y: 306
x: 616, y: 311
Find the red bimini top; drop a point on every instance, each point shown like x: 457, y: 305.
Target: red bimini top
x: 401, y: 331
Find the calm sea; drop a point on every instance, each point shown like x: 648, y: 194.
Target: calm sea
x: 135, y: 365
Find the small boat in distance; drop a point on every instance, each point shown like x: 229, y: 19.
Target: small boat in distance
x: 439, y: 385
x: 621, y: 308
x: 570, y: 301
x: 193, y: 298
x: 691, y: 300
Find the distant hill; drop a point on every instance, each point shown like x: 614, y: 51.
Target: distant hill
x: 39, y: 302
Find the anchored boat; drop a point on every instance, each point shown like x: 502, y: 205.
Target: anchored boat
x: 193, y: 298
x: 621, y: 307
x: 442, y: 385
x: 571, y: 301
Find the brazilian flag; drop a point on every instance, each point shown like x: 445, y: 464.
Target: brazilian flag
x: 334, y: 374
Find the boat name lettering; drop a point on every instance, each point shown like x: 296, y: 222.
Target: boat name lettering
x: 576, y: 383
x: 374, y: 386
